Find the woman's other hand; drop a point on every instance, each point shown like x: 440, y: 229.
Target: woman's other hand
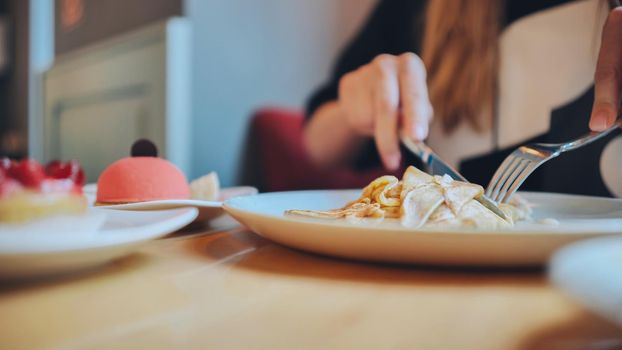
x: 385, y: 97
x: 608, y: 77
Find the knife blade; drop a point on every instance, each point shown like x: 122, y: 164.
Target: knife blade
x: 436, y: 166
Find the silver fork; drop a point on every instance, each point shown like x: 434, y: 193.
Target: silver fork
x: 523, y: 161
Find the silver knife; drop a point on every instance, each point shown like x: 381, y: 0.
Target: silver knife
x: 437, y: 166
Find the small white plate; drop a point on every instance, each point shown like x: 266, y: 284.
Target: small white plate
x: 208, y: 210
x: 526, y: 244
x: 57, y: 251
x: 591, y: 272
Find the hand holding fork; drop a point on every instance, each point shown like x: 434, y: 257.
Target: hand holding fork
x: 523, y: 161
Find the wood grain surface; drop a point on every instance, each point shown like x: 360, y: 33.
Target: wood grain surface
x: 235, y: 290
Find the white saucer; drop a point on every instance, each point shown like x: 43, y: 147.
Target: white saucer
x: 52, y: 249
x: 208, y: 210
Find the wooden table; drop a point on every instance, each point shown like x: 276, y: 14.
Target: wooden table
x: 235, y: 290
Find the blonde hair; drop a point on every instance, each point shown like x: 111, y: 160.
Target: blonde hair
x: 460, y: 51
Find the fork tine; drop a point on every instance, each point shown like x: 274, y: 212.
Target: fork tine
x: 506, y: 168
x: 499, y: 174
x: 519, y: 181
x: 523, y: 164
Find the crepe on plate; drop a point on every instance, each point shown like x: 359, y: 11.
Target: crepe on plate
x: 421, y: 200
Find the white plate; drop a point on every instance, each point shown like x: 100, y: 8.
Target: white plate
x: 208, y: 210
x: 526, y: 244
x: 591, y: 272
x: 58, y: 251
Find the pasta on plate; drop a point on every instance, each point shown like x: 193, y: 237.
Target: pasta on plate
x: 420, y: 200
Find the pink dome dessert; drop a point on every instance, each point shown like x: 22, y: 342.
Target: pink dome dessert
x: 139, y: 179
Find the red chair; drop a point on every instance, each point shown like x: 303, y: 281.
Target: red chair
x: 283, y: 163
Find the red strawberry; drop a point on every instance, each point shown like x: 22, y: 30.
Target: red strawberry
x: 77, y: 174
x: 54, y: 169
x: 69, y: 170
x: 28, y: 172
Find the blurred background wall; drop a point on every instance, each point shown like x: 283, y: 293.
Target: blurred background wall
x: 250, y: 53
x: 246, y: 54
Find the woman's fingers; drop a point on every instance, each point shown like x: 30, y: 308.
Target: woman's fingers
x: 355, y: 99
x: 416, y: 107
x: 386, y: 101
x: 371, y: 97
x: 608, y: 77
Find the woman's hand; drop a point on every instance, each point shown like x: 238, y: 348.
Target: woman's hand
x: 384, y: 97
x: 608, y: 77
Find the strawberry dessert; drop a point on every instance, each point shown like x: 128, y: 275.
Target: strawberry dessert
x: 29, y: 191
